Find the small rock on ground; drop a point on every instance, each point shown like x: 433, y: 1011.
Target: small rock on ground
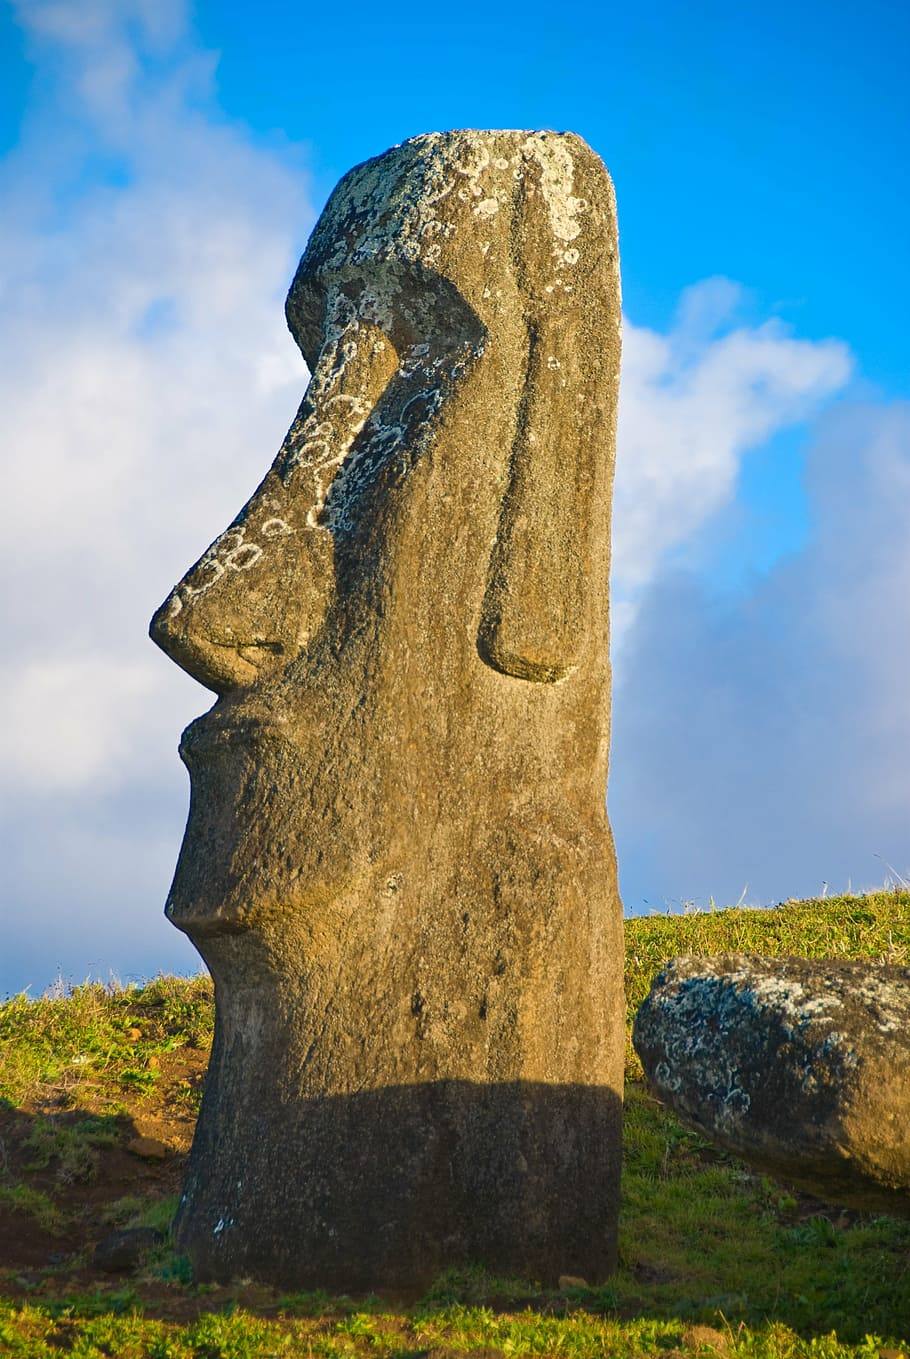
x: 149, y: 1148
x: 124, y: 1250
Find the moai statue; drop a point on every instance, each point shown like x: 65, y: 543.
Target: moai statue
x: 398, y: 865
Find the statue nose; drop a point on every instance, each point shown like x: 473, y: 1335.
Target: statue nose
x: 257, y: 595
x: 224, y: 624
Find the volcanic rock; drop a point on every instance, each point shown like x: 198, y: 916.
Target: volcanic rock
x: 800, y: 1067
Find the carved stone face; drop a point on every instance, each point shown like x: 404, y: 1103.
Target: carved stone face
x: 397, y: 862
x: 431, y: 513
x: 383, y: 364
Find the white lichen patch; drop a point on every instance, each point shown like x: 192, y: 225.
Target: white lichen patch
x: 400, y: 205
x: 557, y: 177
x: 888, y: 1002
x: 717, y: 1026
x: 387, y: 208
x: 341, y: 394
x: 276, y: 528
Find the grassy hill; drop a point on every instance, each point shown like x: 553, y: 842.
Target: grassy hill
x: 714, y: 1259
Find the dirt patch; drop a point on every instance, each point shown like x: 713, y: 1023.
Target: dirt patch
x: 67, y: 1177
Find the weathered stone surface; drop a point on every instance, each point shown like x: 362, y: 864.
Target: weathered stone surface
x: 800, y: 1067
x: 397, y: 863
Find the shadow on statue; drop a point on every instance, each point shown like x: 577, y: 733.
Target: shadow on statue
x: 413, y: 1180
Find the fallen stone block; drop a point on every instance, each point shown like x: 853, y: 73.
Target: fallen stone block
x: 800, y: 1067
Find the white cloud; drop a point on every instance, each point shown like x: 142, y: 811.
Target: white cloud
x: 101, y: 23
x: 761, y: 739
x: 693, y: 403
x: 68, y: 723
x: 146, y: 379
x: 146, y: 376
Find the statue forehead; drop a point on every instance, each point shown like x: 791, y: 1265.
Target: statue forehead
x: 403, y: 205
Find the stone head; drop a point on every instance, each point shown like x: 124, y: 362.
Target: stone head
x: 414, y: 600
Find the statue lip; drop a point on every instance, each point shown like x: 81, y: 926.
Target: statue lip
x: 206, y: 920
x: 215, y: 728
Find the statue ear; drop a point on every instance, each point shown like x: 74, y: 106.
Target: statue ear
x: 535, y: 616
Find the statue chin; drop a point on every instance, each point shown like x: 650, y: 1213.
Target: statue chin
x: 247, y: 861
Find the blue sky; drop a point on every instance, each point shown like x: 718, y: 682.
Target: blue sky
x: 161, y: 165
x: 764, y: 142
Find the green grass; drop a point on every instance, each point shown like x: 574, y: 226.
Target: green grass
x: 875, y: 925
x: 99, y: 1039
x: 72, y: 1150
x: 714, y: 1260
x: 114, y: 1325
x: 22, y: 1198
x: 702, y: 1236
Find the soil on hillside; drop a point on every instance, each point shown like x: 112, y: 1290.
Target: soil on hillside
x: 95, y: 1171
